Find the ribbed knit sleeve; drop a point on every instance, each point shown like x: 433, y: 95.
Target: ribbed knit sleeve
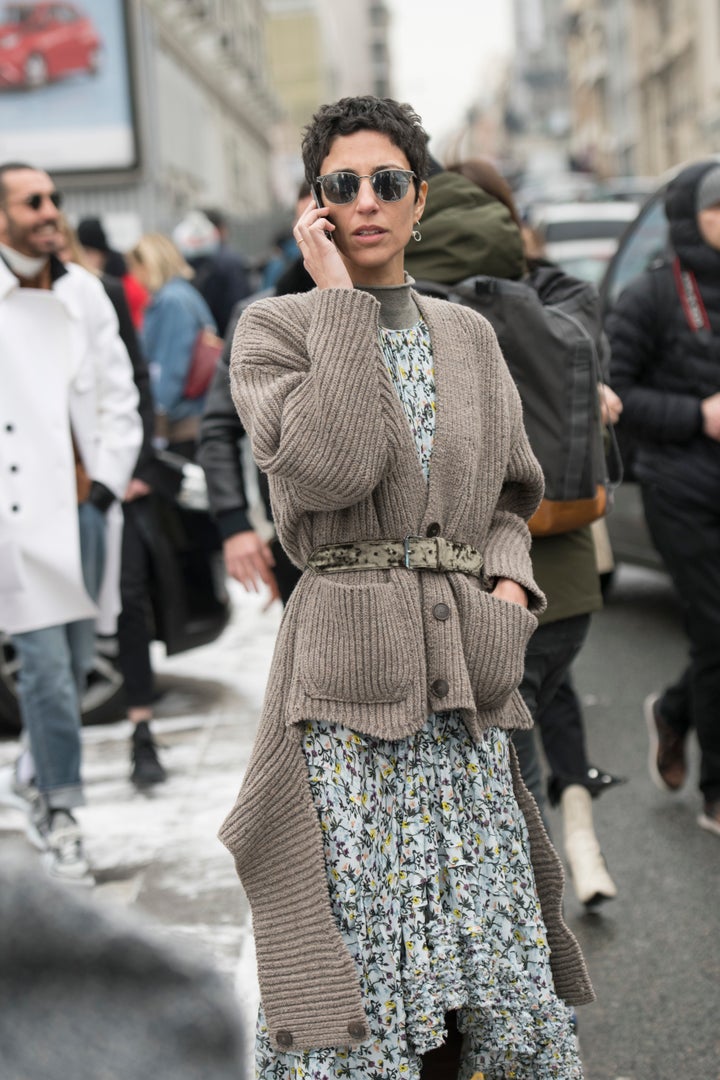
x: 507, y: 550
x: 308, y: 982
x: 312, y: 396
x: 570, y: 975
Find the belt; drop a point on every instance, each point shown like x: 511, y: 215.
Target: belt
x: 412, y: 553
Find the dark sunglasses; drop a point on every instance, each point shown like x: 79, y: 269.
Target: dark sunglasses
x: 36, y: 201
x: 343, y: 187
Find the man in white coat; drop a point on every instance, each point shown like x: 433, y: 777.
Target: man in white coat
x: 69, y: 438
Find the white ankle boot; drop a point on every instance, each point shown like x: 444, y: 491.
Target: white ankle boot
x: 588, y: 871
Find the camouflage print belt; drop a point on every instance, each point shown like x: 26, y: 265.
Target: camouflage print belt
x: 412, y: 553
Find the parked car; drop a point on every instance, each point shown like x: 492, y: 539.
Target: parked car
x: 582, y: 237
x: 189, y: 603
x: 42, y: 42
x: 624, y: 189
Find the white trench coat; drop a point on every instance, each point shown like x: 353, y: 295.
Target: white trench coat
x: 63, y: 369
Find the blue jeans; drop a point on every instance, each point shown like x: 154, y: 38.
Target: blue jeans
x: 54, y: 664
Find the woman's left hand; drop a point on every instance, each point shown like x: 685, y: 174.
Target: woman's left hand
x: 509, y: 590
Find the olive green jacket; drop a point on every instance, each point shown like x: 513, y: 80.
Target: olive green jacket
x: 566, y: 571
x: 465, y: 231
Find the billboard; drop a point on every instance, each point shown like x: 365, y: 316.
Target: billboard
x: 66, y: 101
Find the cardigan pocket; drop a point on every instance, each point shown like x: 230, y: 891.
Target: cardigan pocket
x: 350, y: 643
x: 494, y: 634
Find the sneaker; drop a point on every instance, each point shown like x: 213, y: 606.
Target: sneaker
x: 27, y: 799
x: 666, y: 760
x: 13, y: 793
x: 146, y: 767
x: 710, y: 817
x: 64, y: 855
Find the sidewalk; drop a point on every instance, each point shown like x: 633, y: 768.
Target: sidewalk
x: 158, y: 852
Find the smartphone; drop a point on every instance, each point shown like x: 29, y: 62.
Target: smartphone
x: 319, y: 203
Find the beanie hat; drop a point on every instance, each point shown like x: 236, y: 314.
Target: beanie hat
x: 708, y: 190
x: 196, y: 235
x: 91, y: 234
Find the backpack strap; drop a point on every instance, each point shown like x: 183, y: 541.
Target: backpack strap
x: 690, y: 297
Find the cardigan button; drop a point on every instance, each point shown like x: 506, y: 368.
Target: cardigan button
x: 284, y: 1039
x: 441, y: 612
x: 440, y: 688
x: 433, y: 529
x: 358, y: 1030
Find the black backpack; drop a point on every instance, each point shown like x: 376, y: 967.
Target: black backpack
x: 548, y: 325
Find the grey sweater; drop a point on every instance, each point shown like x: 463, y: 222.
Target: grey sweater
x: 371, y: 649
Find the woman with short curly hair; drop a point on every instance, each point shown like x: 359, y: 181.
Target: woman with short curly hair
x: 382, y: 831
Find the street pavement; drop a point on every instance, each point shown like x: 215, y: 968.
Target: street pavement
x: 157, y: 853
x: 653, y: 954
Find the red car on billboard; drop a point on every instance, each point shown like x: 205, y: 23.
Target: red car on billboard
x: 42, y: 42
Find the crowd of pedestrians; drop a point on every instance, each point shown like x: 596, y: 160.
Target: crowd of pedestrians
x: 396, y: 781
x: 96, y: 349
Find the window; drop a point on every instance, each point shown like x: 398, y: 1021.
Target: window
x: 558, y: 231
x: 646, y: 243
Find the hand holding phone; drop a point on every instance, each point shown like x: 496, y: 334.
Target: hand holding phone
x: 324, y: 263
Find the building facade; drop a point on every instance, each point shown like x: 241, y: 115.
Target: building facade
x: 537, y: 101
x: 603, y: 92
x: 644, y: 83
x: 319, y: 51
x: 204, y: 111
x: 677, y: 49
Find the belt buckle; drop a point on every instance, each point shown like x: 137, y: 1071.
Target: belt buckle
x: 406, y: 549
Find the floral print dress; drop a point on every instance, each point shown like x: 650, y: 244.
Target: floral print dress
x: 430, y: 877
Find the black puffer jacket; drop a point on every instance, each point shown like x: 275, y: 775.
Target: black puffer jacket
x: 661, y: 368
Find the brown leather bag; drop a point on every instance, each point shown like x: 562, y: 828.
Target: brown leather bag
x: 553, y: 517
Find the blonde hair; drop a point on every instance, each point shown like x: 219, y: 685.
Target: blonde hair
x: 72, y: 246
x: 160, y: 260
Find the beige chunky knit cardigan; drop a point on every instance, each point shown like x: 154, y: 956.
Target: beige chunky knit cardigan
x: 375, y: 650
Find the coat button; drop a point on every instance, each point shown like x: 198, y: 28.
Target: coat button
x: 441, y: 612
x: 14, y: 508
x: 358, y: 1030
x: 13, y: 468
x: 440, y: 688
x: 9, y: 427
x: 284, y: 1039
x: 433, y: 529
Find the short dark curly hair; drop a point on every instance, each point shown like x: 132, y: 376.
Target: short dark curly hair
x: 398, y: 121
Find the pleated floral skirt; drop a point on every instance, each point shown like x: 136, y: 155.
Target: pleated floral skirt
x: 432, y: 887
